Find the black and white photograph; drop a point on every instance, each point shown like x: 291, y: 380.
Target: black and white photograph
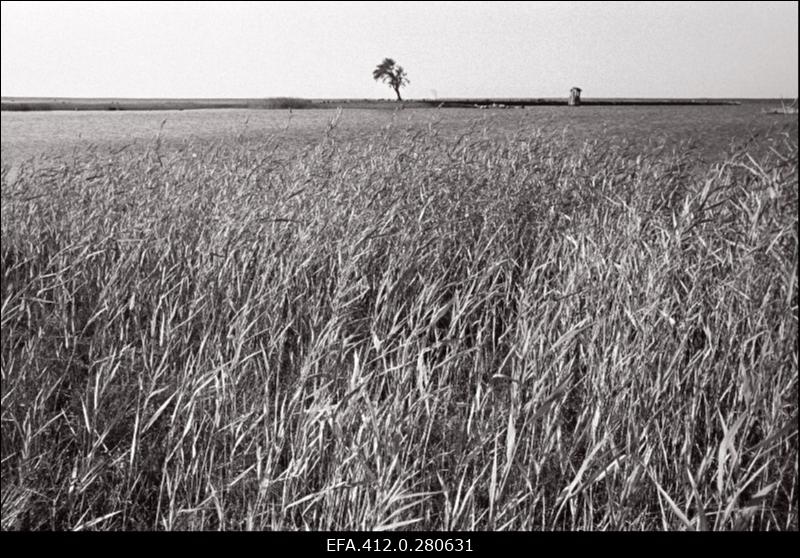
x: 402, y: 276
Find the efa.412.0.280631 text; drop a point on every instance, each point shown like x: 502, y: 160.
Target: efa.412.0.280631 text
x: 399, y: 544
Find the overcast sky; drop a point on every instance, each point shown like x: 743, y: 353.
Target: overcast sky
x: 449, y: 49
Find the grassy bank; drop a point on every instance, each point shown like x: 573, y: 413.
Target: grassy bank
x: 401, y: 331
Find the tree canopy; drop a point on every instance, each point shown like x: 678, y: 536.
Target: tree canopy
x: 392, y: 74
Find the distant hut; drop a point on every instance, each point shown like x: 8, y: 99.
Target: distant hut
x: 574, y: 97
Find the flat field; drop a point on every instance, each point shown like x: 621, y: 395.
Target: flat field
x: 540, y: 318
x: 710, y: 129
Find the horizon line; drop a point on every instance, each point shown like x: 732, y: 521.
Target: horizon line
x: 387, y: 99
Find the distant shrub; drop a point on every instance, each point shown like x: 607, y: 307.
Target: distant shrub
x: 286, y: 103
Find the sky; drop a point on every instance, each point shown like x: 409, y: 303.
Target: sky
x: 448, y: 49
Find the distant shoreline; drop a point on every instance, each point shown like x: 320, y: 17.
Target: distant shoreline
x: 108, y: 104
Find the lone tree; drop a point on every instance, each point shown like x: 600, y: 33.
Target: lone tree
x: 391, y: 74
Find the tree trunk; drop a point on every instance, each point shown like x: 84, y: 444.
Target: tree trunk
x: 397, y: 91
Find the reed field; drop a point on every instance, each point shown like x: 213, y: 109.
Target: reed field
x: 546, y: 319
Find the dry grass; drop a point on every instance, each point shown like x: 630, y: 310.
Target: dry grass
x: 785, y: 108
x: 401, y: 331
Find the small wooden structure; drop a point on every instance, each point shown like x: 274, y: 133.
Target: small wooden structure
x: 574, y: 97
